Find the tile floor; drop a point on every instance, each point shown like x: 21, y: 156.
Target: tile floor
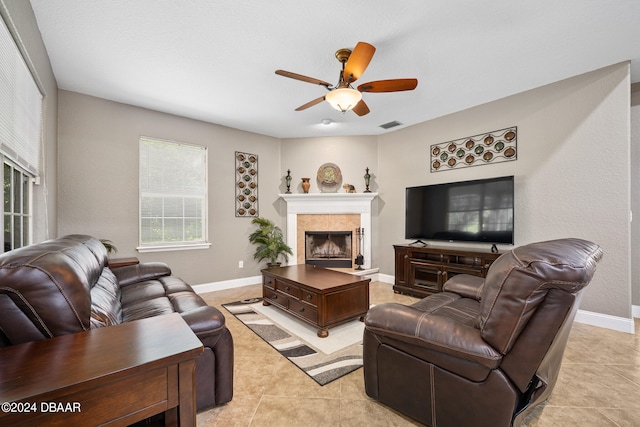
x: 599, y: 383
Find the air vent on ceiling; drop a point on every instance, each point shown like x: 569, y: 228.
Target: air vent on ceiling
x: 390, y: 124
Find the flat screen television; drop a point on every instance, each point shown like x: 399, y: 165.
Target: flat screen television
x: 468, y: 211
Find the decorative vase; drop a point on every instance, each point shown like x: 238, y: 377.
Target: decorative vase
x: 306, y: 184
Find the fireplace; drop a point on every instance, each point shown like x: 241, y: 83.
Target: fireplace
x: 328, y: 211
x: 328, y: 248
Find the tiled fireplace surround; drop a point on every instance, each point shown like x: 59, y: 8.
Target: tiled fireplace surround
x: 328, y: 212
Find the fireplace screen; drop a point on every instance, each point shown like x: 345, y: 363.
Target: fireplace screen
x: 328, y: 248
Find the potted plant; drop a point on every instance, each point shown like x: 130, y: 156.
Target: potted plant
x: 109, y: 246
x: 269, y: 242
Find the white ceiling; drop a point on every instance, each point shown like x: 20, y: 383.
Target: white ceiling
x: 214, y: 60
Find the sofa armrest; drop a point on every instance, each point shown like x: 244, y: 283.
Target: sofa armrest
x: 465, y: 285
x: 204, y: 321
x: 438, y: 339
x: 136, y: 273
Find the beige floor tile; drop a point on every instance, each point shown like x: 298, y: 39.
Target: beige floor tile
x: 237, y: 413
x: 295, y: 412
x: 352, y: 386
x: 593, y: 386
x: 622, y: 417
x: 553, y: 416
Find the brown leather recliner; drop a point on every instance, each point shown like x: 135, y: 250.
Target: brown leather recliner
x: 484, y: 351
x: 65, y: 285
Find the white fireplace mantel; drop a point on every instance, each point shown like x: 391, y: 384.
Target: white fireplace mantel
x: 327, y: 204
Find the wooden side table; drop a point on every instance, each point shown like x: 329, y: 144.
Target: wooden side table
x: 116, y: 375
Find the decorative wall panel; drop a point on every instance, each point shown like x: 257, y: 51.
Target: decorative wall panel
x: 493, y: 147
x: 246, y: 184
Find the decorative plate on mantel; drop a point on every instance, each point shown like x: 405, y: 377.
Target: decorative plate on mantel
x: 329, y: 178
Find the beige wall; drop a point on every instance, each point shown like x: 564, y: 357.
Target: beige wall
x: 21, y: 21
x: 572, y: 171
x: 98, y: 194
x: 635, y: 193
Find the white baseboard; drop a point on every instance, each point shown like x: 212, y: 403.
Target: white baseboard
x: 227, y: 284
x: 616, y: 323
x: 386, y: 278
x: 635, y: 310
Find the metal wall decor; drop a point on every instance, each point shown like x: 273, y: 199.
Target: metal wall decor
x: 246, y: 184
x: 493, y: 147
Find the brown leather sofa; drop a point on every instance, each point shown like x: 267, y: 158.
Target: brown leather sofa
x: 483, y: 352
x: 64, y: 285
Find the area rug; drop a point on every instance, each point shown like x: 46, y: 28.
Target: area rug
x: 323, y: 359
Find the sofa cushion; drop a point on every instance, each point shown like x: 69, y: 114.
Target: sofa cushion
x: 147, y: 308
x: 163, y: 295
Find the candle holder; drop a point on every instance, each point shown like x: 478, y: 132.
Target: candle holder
x: 367, y: 181
x: 288, y: 181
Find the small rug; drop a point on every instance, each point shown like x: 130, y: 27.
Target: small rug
x: 323, y: 359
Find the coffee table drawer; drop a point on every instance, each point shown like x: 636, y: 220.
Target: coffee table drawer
x: 288, y: 289
x: 303, y: 310
x: 277, y: 298
x: 310, y: 298
x: 269, y: 282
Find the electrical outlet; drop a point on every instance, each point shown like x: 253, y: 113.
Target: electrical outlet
x: 240, y: 264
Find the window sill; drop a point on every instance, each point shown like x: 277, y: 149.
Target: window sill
x: 166, y: 248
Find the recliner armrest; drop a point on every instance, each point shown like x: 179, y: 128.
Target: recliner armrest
x: 434, y: 338
x: 465, y: 285
x: 130, y: 274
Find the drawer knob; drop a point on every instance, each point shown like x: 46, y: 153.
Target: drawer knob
x: 308, y: 297
x: 301, y: 310
x: 274, y: 297
x: 286, y: 289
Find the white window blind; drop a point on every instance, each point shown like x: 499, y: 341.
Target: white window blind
x: 20, y: 106
x: 173, y: 195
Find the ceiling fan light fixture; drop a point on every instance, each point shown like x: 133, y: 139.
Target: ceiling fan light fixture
x: 343, y: 99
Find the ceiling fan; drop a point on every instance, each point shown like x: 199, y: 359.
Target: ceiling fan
x: 343, y: 97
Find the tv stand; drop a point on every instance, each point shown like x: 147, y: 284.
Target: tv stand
x: 422, y: 270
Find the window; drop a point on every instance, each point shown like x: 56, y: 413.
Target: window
x: 173, y: 195
x: 16, y: 207
x: 20, y: 141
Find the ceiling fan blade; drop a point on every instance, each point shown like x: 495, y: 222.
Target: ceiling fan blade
x: 394, y: 85
x: 302, y: 78
x: 361, y: 108
x: 358, y: 61
x: 310, y: 104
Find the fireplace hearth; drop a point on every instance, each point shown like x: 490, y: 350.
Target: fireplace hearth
x: 328, y: 248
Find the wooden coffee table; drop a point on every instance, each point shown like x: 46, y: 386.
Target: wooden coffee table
x: 322, y: 297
